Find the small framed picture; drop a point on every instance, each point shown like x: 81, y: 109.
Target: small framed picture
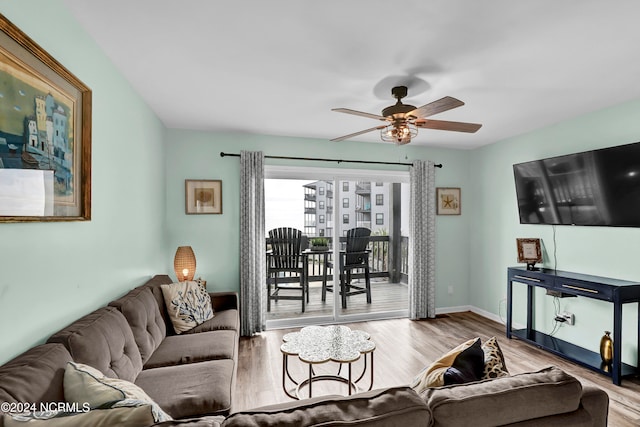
x: 529, y: 251
x: 203, y: 196
x: 447, y: 201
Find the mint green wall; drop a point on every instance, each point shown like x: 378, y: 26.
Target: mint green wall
x: 603, y: 251
x: 215, y: 238
x: 53, y: 273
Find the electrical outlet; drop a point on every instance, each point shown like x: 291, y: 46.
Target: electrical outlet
x: 569, y: 317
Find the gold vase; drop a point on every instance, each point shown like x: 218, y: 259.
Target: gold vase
x: 606, y: 347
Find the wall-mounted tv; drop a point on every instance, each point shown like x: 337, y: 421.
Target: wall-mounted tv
x: 598, y: 187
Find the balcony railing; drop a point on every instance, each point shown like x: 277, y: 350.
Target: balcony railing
x: 378, y: 261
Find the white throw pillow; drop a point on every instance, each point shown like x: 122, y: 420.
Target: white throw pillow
x: 188, y: 304
x: 84, y: 384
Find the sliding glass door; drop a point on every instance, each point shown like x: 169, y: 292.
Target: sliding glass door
x: 354, y: 227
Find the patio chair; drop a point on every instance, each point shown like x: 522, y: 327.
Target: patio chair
x: 286, y: 256
x: 354, y: 257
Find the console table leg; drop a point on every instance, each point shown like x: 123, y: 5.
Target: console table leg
x: 509, y: 312
x: 530, y: 310
x: 616, y: 372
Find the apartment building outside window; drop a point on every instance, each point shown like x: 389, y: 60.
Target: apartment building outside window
x: 379, y: 219
x: 345, y: 202
x: 379, y: 199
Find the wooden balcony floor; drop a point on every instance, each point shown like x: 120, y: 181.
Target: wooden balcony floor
x: 385, y: 296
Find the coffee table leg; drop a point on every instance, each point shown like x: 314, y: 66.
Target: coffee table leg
x: 349, y: 383
x: 310, y: 377
x: 371, y: 385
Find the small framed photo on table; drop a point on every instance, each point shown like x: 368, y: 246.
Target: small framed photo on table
x: 529, y: 252
x: 203, y: 196
x: 448, y: 201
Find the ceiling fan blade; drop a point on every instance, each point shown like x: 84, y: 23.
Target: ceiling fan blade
x: 435, y: 107
x: 342, y: 138
x: 445, y: 125
x: 359, y: 113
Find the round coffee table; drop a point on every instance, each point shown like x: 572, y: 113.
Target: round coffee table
x: 319, y: 344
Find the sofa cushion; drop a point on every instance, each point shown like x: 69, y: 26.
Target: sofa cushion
x: 141, y: 310
x: 398, y: 406
x: 227, y: 320
x: 154, y: 284
x: 84, y: 384
x: 193, y: 389
x: 505, y: 400
x: 103, y: 339
x: 181, y: 349
x: 494, y: 364
x: 35, y: 376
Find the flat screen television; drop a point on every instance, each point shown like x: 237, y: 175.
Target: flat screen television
x: 598, y: 187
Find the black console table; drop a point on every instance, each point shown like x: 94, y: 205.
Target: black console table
x: 565, y: 283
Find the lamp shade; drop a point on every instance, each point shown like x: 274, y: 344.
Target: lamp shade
x: 184, y: 263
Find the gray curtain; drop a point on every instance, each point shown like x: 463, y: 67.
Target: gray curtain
x: 422, y: 230
x: 252, y: 243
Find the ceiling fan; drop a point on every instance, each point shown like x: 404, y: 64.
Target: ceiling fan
x: 402, y: 120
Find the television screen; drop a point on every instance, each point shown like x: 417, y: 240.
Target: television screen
x: 599, y: 187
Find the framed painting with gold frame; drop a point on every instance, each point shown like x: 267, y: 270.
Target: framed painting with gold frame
x: 448, y: 201
x: 45, y: 134
x: 529, y: 252
x: 203, y: 196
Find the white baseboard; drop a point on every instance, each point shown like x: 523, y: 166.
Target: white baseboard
x: 479, y: 311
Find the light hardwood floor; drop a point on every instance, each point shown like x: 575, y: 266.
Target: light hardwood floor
x: 403, y: 348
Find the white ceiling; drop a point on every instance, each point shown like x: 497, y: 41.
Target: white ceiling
x: 278, y: 67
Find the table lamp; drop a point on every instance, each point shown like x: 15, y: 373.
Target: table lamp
x: 184, y: 263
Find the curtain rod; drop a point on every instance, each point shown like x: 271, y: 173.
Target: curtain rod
x: 223, y: 154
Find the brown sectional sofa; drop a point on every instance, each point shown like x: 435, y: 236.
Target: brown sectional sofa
x: 191, y: 376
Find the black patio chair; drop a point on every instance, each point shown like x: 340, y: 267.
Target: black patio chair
x: 286, y: 256
x: 354, y: 257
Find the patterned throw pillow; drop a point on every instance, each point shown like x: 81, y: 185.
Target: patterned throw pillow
x: 494, y: 365
x: 85, y: 384
x: 188, y: 304
x: 462, y: 364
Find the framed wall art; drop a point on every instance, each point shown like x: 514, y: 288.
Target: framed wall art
x: 45, y: 134
x: 448, y: 201
x: 203, y: 196
x: 529, y: 252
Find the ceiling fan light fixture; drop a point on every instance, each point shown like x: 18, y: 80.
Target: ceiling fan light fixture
x: 399, y: 133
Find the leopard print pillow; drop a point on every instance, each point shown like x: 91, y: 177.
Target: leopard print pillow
x: 494, y: 365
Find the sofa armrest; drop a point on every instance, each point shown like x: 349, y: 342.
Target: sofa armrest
x: 224, y: 300
x: 596, y: 402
